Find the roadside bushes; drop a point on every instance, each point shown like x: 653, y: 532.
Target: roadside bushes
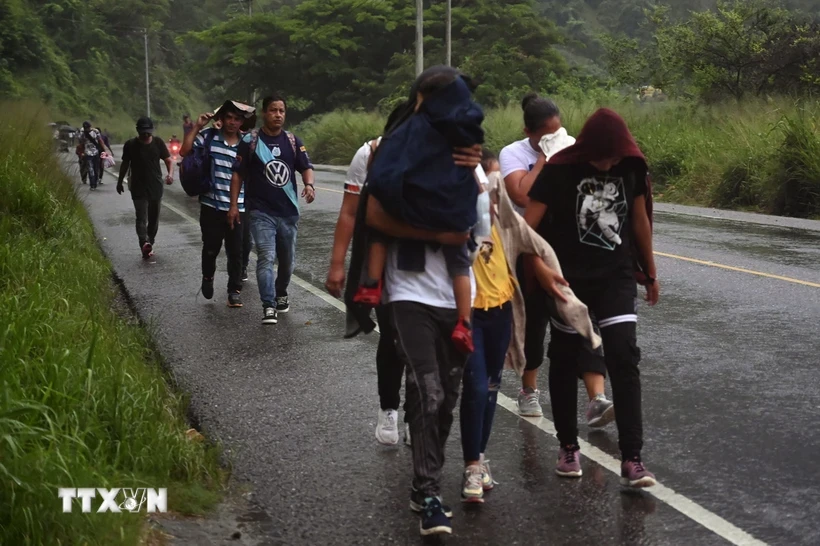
x: 758, y: 155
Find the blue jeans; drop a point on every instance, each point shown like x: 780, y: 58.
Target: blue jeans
x: 93, y: 167
x: 275, y: 239
x: 492, y: 331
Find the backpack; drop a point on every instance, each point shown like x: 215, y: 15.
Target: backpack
x: 195, y: 174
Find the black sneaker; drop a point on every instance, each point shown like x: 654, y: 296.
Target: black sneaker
x: 433, y: 519
x: 417, y: 503
x: 269, y: 316
x: 207, y: 288
x: 234, y: 299
x: 282, y: 305
x: 244, y: 275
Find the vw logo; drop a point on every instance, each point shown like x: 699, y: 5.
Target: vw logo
x: 277, y: 173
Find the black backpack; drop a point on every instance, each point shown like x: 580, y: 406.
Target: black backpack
x: 196, y: 176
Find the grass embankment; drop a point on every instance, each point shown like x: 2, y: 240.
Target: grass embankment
x: 83, y: 402
x: 757, y: 155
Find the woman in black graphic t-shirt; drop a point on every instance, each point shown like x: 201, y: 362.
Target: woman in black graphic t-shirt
x: 592, y: 198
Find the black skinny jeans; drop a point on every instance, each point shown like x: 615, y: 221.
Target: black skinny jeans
x: 215, y: 229
x: 612, y: 305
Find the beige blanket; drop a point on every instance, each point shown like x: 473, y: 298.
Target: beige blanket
x: 519, y: 238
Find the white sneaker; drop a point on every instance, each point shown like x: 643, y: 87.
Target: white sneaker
x: 387, y: 431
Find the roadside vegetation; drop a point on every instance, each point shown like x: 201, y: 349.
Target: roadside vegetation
x: 758, y: 154
x: 83, y: 399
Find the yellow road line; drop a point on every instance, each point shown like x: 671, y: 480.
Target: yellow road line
x: 739, y: 269
x: 696, y: 261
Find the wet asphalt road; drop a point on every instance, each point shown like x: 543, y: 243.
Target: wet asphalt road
x: 730, y: 369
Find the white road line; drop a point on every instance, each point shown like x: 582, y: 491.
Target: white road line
x: 685, y: 506
x: 682, y: 504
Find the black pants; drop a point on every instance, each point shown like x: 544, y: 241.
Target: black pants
x: 538, y: 307
x: 434, y: 371
x: 84, y: 170
x: 246, y: 241
x: 147, y: 219
x: 613, y: 308
x: 215, y: 229
x: 389, y: 367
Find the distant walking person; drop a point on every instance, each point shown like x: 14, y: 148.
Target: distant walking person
x: 143, y: 155
x: 93, y: 146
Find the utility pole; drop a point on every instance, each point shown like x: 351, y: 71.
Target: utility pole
x: 147, y: 85
x: 419, y: 37
x: 253, y: 93
x: 449, y: 37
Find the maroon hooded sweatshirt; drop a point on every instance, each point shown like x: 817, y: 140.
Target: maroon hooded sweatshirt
x: 605, y: 135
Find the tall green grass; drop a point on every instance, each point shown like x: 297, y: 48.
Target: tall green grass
x: 83, y: 402
x: 333, y: 138
x: 759, y: 155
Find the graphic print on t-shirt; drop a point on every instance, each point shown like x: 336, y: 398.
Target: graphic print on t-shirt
x: 277, y: 172
x: 601, y: 210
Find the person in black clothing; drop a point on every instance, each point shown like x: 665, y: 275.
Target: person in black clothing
x: 590, y: 203
x: 143, y: 155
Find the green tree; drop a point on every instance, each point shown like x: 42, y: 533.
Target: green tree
x: 741, y: 48
x: 329, y: 54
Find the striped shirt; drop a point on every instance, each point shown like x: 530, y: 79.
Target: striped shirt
x: 222, y: 158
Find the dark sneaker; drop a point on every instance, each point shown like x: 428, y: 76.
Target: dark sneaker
x: 207, y: 288
x: 234, y: 299
x: 569, y: 462
x: 635, y: 474
x: 147, y: 251
x: 433, y: 519
x: 269, y: 316
x: 282, y: 305
x: 244, y: 274
x: 417, y: 503
x: 600, y: 412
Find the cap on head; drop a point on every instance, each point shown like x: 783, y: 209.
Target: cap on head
x: 86, y: 125
x: 145, y: 125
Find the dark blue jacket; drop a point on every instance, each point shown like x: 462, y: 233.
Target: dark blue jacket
x: 413, y: 175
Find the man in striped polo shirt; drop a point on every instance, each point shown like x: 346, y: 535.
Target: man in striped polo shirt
x: 214, y: 205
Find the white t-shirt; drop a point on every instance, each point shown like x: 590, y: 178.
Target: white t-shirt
x: 433, y: 286
x: 518, y: 156
x: 357, y: 171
